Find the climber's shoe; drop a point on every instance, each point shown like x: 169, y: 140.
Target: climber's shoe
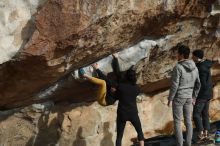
x: 81, y: 72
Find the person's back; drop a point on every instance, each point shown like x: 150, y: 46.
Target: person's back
x: 188, y: 76
x: 185, y: 86
x: 201, y: 107
x: 204, y: 68
x: 127, y: 94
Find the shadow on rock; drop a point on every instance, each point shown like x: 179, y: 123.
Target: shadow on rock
x: 79, y: 141
x: 48, y: 131
x: 107, y: 139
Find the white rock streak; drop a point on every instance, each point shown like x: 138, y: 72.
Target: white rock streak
x: 14, y: 17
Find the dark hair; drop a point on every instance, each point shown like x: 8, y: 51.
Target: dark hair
x: 184, y: 50
x: 198, y: 53
x: 131, y: 76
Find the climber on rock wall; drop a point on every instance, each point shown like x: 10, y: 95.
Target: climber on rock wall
x: 126, y: 91
x: 106, y: 91
x: 185, y: 86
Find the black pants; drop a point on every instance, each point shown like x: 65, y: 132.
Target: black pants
x: 122, y: 118
x: 201, y: 115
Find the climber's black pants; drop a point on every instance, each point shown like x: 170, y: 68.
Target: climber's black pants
x: 122, y: 118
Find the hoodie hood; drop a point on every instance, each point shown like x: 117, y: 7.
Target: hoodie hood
x: 188, y: 65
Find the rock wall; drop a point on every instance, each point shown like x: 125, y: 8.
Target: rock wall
x: 71, y: 34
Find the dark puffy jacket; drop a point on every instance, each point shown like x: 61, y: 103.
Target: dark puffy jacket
x: 204, y: 68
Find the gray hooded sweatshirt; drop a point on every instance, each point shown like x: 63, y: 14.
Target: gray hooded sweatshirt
x: 185, y: 80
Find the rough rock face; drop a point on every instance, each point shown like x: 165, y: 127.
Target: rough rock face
x: 70, y: 34
x: 87, y: 124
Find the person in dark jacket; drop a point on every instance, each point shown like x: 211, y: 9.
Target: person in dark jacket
x: 127, y: 92
x: 201, y: 107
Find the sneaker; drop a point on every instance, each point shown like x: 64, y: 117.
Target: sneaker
x: 206, y: 136
x: 200, y: 138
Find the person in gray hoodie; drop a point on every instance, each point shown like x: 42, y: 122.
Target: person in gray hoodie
x: 185, y: 86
